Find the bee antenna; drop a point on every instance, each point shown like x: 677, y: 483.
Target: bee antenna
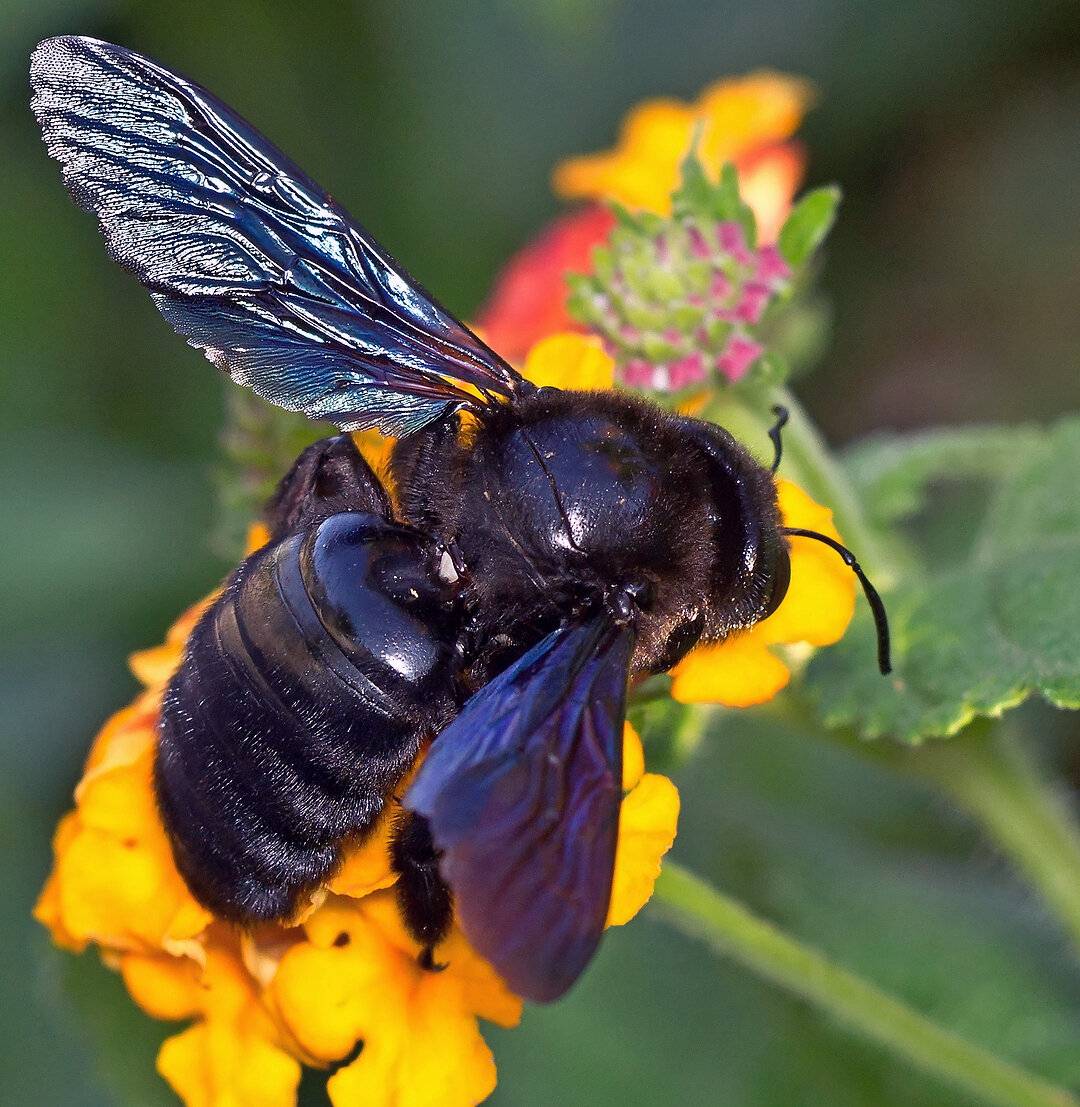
x: 881, y: 618
x: 782, y: 415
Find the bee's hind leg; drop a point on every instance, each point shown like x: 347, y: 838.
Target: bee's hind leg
x: 330, y: 476
x: 424, y: 900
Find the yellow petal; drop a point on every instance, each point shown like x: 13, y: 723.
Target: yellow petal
x: 123, y: 893
x: 233, y: 1057
x: 633, y: 758
x: 738, y: 672
x: 647, y: 825
x: 210, y: 1065
x: 164, y: 987
x: 323, y: 988
x: 485, y: 992
x: 49, y: 910
x: 820, y: 601
x: 572, y: 361
x: 435, y: 1059
x: 366, y: 868
x: 738, y: 117
x: 353, y: 981
x: 821, y: 598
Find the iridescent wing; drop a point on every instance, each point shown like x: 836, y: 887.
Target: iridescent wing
x: 244, y: 255
x: 522, y: 793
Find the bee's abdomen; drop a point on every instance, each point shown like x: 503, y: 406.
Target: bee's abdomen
x: 303, y: 697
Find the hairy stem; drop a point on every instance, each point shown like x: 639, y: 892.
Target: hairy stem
x: 807, y: 461
x: 699, y: 910
x: 823, y: 477
x: 989, y: 773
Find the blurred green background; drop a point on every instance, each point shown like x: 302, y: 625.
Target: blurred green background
x: 954, y: 275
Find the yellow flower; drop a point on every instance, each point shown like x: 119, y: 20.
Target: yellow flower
x: 743, y: 120
x: 572, y: 361
x: 345, y: 972
x: 744, y: 670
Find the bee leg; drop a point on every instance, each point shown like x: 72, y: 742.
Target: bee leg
x: 329, y: 477
x: 424, y: 900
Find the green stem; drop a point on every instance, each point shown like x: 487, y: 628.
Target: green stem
x: 732, y: 931
x: 823, y: 477
x: 807, y: 461
x: 989, y: 773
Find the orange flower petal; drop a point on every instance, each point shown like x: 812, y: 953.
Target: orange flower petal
x: 747, y: 112
x: 768, y: 179
x: 154, y: 667
x: 528, y: 300
x: 257, y: 536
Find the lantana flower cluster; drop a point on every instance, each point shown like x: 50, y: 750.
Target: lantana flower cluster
x: 339, y: 986
x: 675, y: 302
x: 747, y: 122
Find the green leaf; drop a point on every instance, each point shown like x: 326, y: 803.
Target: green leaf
x: 728, y: 204
x: 808, y: 224
x: 990, y: 621
x: 893, y: 473
x: 693, y: 198
x: 697, y: 199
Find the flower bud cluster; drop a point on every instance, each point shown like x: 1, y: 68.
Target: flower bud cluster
x: 677, y: 301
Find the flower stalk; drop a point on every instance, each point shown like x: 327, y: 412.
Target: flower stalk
x: 747, y: 414
x: 989, y: 773
x: 731, y: 930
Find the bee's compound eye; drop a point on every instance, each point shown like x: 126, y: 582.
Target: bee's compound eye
x: 781, y: 578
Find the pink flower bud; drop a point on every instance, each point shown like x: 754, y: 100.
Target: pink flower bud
x: 686, y: 371
x: 699, y: 247
x: 638, y: 374
x: 720, y: 288
x: 739, y: 354
x: 733, y: 242
x: 771, y: 267
x: 752, y: 304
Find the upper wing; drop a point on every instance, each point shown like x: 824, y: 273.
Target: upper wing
x: 522, y: 792
x: 244, y: 254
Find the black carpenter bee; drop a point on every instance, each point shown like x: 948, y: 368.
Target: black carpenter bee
x: 541, y: 548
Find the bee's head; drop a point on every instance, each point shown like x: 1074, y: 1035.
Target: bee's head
x: 727, y: 567
x: 615, y: 496
x: 751, y: 567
